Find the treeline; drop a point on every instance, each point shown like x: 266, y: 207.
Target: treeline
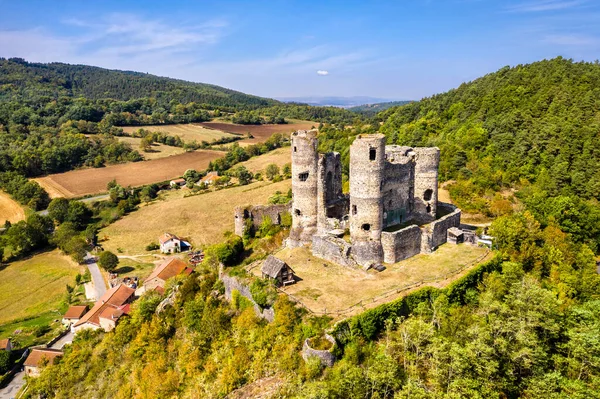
x: 26, y: 192
x: 255, y: 118
x: 237, y: 154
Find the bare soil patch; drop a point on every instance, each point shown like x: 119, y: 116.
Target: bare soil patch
x: 260, y: 132
x: 10, y: 209
x: 82, y: 182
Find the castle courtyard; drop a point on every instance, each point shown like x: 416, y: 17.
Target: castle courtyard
x: 338, y: 291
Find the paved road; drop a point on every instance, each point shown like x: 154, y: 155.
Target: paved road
x: 67, y: 339
x: 96, y: 198
x: 10, y: 391
x: 99, y: 284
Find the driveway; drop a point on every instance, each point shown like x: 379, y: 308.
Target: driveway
x: 99, y: 284
x: 10, y: 391
x: 66, y: 339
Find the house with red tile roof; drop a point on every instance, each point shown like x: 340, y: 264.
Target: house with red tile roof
x: 107, y: 311
x: 169, y: 268
x: 74, y: 314
x: 38, y: 358
x: 5, y: 345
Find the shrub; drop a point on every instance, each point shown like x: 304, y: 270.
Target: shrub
x: 108, y: 261
x: 152, y: 246
x: 263, y: 292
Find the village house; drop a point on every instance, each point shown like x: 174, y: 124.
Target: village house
x: 169, y: 268
x: 210, y: 178
x: 74, y: 314
x: 5, y: 345
x: 107, y: 311
x: 38, y: 358
x: 177, y: 183
x: 278, y: 270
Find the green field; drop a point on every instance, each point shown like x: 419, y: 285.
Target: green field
x: 35, y: 285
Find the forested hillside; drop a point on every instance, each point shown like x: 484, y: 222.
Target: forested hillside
x: 373, y: 109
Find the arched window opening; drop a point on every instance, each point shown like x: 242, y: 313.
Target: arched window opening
x: 427, y: 194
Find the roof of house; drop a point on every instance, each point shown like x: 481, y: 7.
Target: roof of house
x: 111, y: 313
x: 37, y: 354
x: 75, y: 312
x: 272, y: 266
x: 210, y: 177
x: 169, y: 268
x: 4, y: 343
x: 182, y: 180
x: 113, y: 298
x: 168, y: 236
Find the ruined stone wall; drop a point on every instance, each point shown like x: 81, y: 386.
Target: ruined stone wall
x: 426, y: 179
x: 436, y: 233
x: 367, y: 168
x: 398, y: 185
x: 257, y: 215
x: 330, y: 200
x: 233, y: 283
x: 401, y: 244
x: 304, y: 187
x: 333, y: 249
x: 325, y: 356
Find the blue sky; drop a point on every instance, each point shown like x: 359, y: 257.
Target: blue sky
x: 391, y: 49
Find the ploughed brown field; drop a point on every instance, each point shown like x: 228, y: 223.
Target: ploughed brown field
x: 260, y: 132
x: 82, y: 182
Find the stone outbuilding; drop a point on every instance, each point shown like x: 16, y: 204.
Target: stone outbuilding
x: 326, y: 356
x: 278, y: 270
x: 39, y: 357
x: 169, y: 268
x: 455, y: 235
x: 74, y: 314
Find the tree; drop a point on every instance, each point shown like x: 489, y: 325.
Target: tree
x: 4, y: 361
x: 108, y: 261
x: 243, y: 175
x: 272, y: 171
x: 146, y: 143
x: 78, y: 214
x: 58, y: 209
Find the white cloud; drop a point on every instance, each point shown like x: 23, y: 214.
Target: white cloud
x: 322, y: 72
x: 545, y: 5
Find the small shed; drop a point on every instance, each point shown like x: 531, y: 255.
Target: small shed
x: 278, y: 270
x: 177, y: 182
x: 455, y: 235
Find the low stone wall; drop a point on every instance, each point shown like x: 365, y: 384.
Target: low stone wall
x: 401, y: 244
x: 333, y: 249
x: 257, y: 214
x: 326, y: 357
x: 233, y: 283
x: 436, y: 233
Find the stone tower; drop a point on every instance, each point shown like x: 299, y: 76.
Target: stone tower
x: 426, y: 178
x: 367, y: 163
x: 304, y: 186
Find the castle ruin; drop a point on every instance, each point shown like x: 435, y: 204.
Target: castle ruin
x: 391, y: 213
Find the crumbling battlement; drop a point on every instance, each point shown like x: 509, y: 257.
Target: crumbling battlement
x: 257, y: 214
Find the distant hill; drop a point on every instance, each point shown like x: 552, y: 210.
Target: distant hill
x: 372, y: 109
x: 20, y: 79
x: 342, y: 102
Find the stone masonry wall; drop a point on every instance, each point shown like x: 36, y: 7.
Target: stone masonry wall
x: 233, y: 283
x: 436, y: 233
x: 333, y: 249
x: 401, y: 244
x: 257, y: 215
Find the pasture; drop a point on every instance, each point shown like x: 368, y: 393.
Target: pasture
x: 260, y: 132
x: 187, y: 131
x: 158, y: 150
x: 327, y: 287
x: 279, y: 157
x: 78, y: 183
x: 10, y: 209
x: 35, y: 286
x: 201, y: 218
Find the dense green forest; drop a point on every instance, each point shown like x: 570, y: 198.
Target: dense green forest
x: 373, y: 109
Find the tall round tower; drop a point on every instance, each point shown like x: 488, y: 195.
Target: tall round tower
x: 426, y: 181
x: 304, y: 187
x: 367, y: 162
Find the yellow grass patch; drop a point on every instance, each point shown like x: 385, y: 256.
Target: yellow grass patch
x: 279, y: 157
x: 202, y: 218
x: 331, y: 288
x: 10, y: 209
x: 158, y: 150
x: 187, y: 131
x: 35, y: 285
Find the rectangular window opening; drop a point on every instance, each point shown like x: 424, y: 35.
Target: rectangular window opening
x: 303, y: 176
x: 372, y: 154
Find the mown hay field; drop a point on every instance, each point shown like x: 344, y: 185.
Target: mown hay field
x: 157, y: 151
x: 187, y: 131
x: 10, y: 209
x: 260, y: 132
x: 82, y: 182
x: 201, y: 218
x: 279, y: 157
x: 35, y: 285
x: 327, y: 287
